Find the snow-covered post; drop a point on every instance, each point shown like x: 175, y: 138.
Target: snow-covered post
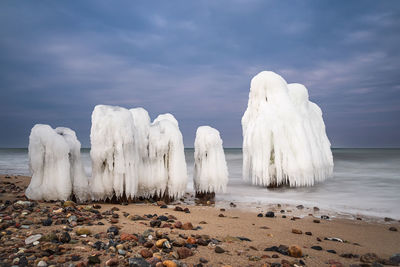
x: 210, y: 170
x: 54, y: 160
x: 284, y: 138
x: 113, y: 153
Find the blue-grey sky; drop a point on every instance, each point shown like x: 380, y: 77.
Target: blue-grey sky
x: 195, y: 59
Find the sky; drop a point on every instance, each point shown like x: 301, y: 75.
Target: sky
x: 195, y: 59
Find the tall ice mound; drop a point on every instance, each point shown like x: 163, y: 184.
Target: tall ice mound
x: 113, y: 153
x: 55, y: 163
x: 210, y: 169
x: 284, y: 137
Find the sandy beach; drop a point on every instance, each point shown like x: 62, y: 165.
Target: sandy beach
x: 125, y: 235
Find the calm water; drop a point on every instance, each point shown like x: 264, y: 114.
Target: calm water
x: 366, y: 181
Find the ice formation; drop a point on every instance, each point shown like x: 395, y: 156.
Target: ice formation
x: 210, y: 169
x: 284, y: 138
x: 166, y: 169
x: 80, y: 182
x: 113, y: 153
x: 54, y: 159
x: 132, y: 156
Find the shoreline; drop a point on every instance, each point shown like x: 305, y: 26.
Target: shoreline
x: 222, y: 225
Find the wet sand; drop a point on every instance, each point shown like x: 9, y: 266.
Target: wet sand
x: 242, y: 235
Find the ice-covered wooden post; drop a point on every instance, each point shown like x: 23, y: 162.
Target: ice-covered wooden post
x: 55, y: 163
x: 284, y: 138
x: 113, y: 154
x: 210, y: 170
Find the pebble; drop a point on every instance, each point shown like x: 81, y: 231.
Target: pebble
x: 316, y: 221
x: 270, y: 214
x: 308, y: 233
x: 82, y: 231
x: 395, y: 258
x: 393, y: 229
x: 113, y: 229
x: 297, y: 231
x: 121, y: 252
x: 112, y: 262
x: 184, y: 252
x: 218, y: 249
x: 169, y: 263
x: 145, y: 253
x: 295, y: 251
x: 47, y: 222
x: 260, y: 215
x: 316, y: 247
x: 155, y: 223
x: 32, y: 239
x: 187, y: 226
x: 369, y: 258
x: 300, y: 207
x: 138, y: 262
x: 42, y: 264
x: 94, y: 259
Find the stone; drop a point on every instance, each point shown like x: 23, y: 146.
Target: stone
x: 69, y: 203
x: 300, y: 207
x: 295, y: 251
x: 82, y: 231
x: 128, y: 237
x: 331, y: 251
x: 178, y: 225
x: 203, y: 260
x: 369, y: 258
x: 160, y: 242
x: 42, y: 264
x: 112, y: 262
x: 47, y: 222
x: 297, y: 231
x: 308, y: 233
x: 270, y: 214
x: 121, y: 252
x: 316, y: 221
x: 113, y: 229
x: 393, y: 229
x: 187, y: 226
x: 145, y: 253
x: 32, y: 238
x: 395, y: 258
x: 316, y: 247
x: 64, y: 237
x: 184, y: 252
x: 260, y: 215
x: 155, y: 223
x: 94, y: 259
x: 138, y: 262
x: 169, y: 263
x: 219, y: 250
x: 254, y: 258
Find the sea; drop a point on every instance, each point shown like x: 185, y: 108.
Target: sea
x: 365, y: 182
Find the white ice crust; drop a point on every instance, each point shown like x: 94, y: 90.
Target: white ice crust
x: 210, y: 169
x: 55, y: 164
x: 133, y: 156
x: 284, y: 138
x: 113, y: 153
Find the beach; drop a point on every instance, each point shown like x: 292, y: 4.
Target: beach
x: 220, y: 235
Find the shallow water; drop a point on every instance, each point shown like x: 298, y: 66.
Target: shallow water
x: 365, y: 181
